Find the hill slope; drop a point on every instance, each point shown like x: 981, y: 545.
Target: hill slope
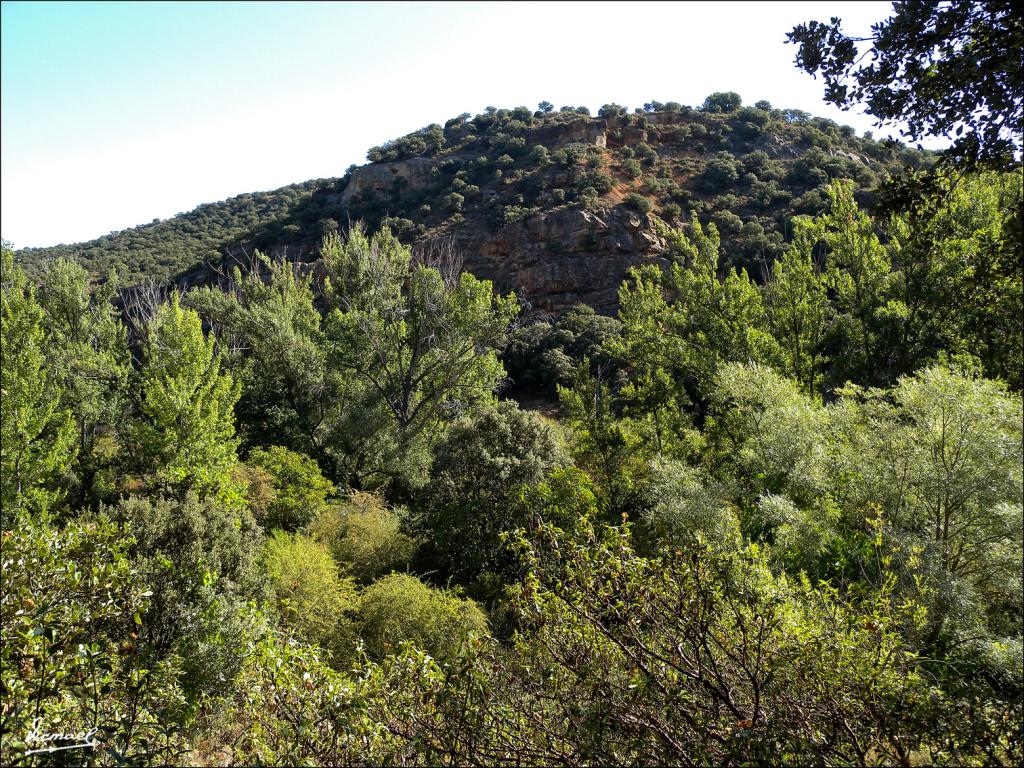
x: 556, y: 205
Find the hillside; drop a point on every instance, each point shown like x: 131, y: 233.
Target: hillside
x: 553, y: 204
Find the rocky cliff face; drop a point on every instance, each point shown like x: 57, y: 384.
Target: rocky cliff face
x: 564, y: 257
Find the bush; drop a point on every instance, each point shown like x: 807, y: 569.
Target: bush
x: 636, y: 202
x: 401, y: 608
x: 478, y: 471
x: 201, y: 562
x: 611, y: 110
x: 602, y: 182
x: 632, y: 168
x: 72, y: 609
x: 364, y: 536
x: 298, y: 490
x: 313, y: 600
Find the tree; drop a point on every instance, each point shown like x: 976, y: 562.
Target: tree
x: 275, y: 344
x: 613, y: 453
x: 422, y: 338
x: 478, y: 471
x: 948, y: 69
x: 545, y: 107
x: 37, y: 435
x: 685, y: 319
x: 89, y: 352
x: 185, y: 431
x: 860, y: 274
x: 201, y: 560
x: 727, y: 101
x: 798, y: 309
x: 939, y: 457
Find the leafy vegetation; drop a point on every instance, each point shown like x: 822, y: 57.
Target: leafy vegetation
x: 297, y: 518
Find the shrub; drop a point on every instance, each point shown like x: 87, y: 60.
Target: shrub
x: 402, y: 608
x: 72, y: 609
x: 636, y: 202
x: 312, y: 599
x: 200, y: 559
x: 670, y: 212
x: 364, y: 536
x: 611, y: 110
x: 478, y: 471
x: 632, y: 168
x: 601, y: 182
x: 298, y: 489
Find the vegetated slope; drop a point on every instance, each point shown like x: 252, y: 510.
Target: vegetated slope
x: 162, y: 249
x: 554, y: 204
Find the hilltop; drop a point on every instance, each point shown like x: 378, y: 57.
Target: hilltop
x: 556, y: 204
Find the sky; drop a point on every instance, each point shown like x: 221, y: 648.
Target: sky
x: 116, y: 114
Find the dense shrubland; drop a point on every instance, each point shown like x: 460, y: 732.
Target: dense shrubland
x: 771, y: 512
x: 774, y: 520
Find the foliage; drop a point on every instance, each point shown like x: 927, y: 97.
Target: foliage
x: 947, y: 69
x: 290, y: 395
x: 298, y: 492
x: 365, y: 536
x: 36, y: 434
x: 164, y: 249
x: 400, y: 608
x: 184, y: 435
x: 478, y: 471
x: 89, y: 351
x: 421, y: 338
x: 201, y: 560
x: 541, y: 355
x: 74, y: 663
x: 315, y: 603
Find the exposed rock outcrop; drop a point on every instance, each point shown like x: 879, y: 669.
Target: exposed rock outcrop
x: 380, y: 178
x: 585, y: 131
x: 560, y: 258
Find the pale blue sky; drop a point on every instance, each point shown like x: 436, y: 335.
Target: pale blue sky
x: 114, y: 114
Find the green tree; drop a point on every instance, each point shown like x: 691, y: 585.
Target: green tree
x: 185, y: 431
x: 290, y: 395
x: 478, y: 471
x: 688, y: 319
x: 37, y: 435
x: 798, y: 309
x: 727, y: 101
x: 605, y: 446
x: 859, y: 272
x: 939, y: 459
x: 201, y: 559
x: 943, y: 69
x: 89, y: 351
x: 423, y: 339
